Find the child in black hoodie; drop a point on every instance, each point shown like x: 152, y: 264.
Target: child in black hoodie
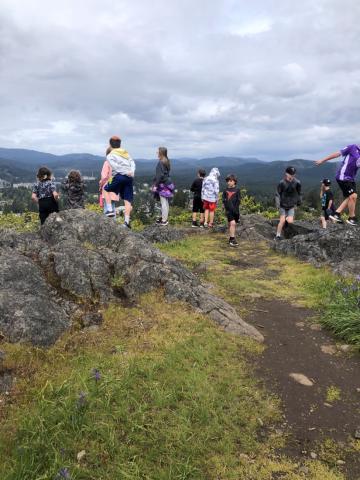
x: 231, y: 200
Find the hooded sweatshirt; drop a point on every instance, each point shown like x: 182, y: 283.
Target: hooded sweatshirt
x: 121, y: 162
x: 210, y: 186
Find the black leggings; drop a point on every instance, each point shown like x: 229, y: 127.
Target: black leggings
x: 46, y: 206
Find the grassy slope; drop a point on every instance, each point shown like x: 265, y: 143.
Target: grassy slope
x: 177, y: 398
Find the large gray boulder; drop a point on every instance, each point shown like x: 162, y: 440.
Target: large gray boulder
x: 337, y: 246
x: 77, y: 264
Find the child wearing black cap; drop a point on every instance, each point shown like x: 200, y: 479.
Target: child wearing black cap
x: 288, y: 195
x: 327, y: 202
x: 231, y: 200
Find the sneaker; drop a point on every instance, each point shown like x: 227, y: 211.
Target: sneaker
x: 163, y: 224
x: 110, y: 213
x: 126, y: 225
x: 158, y: 221
x: 201, y: 225
x: 194, y: 225
x: 277, y: 238
x: 352, y: 221
x: 233, y: 242
x: 206, y: 225
x: 211, y: 225
x: 336, y: 217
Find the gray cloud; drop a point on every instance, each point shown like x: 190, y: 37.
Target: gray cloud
x: 273, y: 79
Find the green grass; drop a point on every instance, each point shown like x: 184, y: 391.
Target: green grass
x: 176, y: 399
x: 269, y: 275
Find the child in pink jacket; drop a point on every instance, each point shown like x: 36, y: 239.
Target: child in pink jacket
x: 106, y: 174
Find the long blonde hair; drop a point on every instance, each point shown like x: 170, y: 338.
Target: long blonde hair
x: 163, y: 157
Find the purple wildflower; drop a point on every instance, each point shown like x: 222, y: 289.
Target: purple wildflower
x: 63, y: 474
x: 81, y: 400
x: 357, y: 278
x: 96, y: 375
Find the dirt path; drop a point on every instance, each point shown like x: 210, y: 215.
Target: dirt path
x: 320, y: 420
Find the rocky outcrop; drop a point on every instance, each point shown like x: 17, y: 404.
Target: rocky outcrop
x: 336, y: 246
x: 160, y: 234
x: 76, y: 265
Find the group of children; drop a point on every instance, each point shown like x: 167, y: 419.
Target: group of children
x: 117, y: 178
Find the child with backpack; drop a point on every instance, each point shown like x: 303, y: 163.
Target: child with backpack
x: 44, y: 193
x: 74, y: 189
x: 345, y: 177
x: 327, y: 202
x: 198, y: 207
x: 209, y: 196
x: 288, y: 196
x: 231, y: 200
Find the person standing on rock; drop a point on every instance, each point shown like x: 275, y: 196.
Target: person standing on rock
x: 123, y: 170
x: 327, y: 202
x: 163, y: 188
x: 106, y: 174
x: 345, y: 177
x: 210, y: 196
x: 288, y: 196
x: 74, y: 190
x: 198, y: 207
x: 231, y: 200
x: 44, y: 193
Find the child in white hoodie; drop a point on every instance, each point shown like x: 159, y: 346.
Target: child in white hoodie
x: 209, y: 196
x: 123, y: 170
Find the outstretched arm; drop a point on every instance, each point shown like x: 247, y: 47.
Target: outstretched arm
x: 329, y: 157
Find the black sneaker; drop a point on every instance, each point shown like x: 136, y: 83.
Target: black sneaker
x: 352, y: 221
x: 163, y: 224
x: 126, y: 225
x: 277, y: 238
x: 194, y: 225
x: 201, y: 225
x: 336, y: 218
x: 233, y: 242
x: 158, y: 221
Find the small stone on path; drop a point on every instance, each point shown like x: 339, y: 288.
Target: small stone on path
x: 328, y: 349
x: 302, y: 379
x: 345, y: 348
x: 313, y: 455
x: 328, y: 405
x: 316, y: 327
x: 357, y: 434
x: 340, y: 462
x: 300, y: 324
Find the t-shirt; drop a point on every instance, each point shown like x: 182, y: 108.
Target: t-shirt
x: 326, y: 198
x: 196, y: 187
x: 44, y: 189
x: 231, y: 199
x: 350, y: 164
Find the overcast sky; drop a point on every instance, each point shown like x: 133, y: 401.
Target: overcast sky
x: 271, y: 79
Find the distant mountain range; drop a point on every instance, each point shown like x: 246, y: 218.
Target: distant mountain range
x: 20, y: 165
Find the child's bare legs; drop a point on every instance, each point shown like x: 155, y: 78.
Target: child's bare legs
x: 232, y: 228
x: 206, y: 216
x: 128, y: 208
x: 107, y: 197
x: 323, y: 222
x: 280, y: 225
x: 212, y: 215
x: 201, y: 218
x: 194, y: 216
x: 343, y: 205
x: 352, y: 204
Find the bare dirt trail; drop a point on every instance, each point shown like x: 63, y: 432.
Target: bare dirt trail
x: 321, y: 420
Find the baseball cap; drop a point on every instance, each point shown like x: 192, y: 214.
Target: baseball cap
x: 290, y: 170
x: 326, y: 182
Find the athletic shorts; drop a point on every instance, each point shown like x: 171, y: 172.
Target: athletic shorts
x: 347, y: 187
x: 121, y: 185
x: 209, y: 205
x: 47, y: 206
x: 233, y: 216
x: 197, y: 205
x: 288, y: 212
